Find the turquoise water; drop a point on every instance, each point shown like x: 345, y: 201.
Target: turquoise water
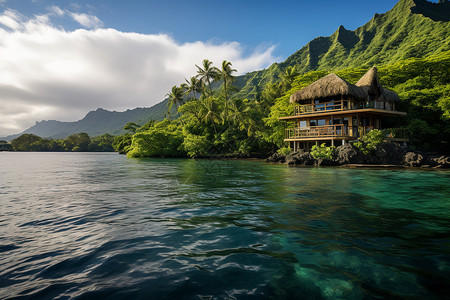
x: 101, y: 226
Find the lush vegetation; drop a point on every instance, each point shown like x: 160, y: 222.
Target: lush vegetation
x: 370, y: 141
x: 323, y: 151
x: 79, y: 142
x: 217, y: 122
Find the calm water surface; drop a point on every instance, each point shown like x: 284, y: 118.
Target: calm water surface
x: 101, y: 226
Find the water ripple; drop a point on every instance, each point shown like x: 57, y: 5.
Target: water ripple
x: 94, y: 226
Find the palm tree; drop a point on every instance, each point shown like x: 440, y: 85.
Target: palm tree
x: 206, y: 73
x: 210, y: 111
x: 192, y: 86
x: 175, y: 97
x: 225, y: 75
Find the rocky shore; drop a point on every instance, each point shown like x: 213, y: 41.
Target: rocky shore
x: 388, y: 153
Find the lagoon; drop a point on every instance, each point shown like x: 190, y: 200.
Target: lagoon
x: 102, y: 226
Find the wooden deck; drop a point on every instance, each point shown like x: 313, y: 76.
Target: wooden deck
x: 340, y: 132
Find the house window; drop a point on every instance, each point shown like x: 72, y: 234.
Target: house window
x: 345, y: 121
x: 302, y: 124
x: 321, y: 122
x: 313, y: 123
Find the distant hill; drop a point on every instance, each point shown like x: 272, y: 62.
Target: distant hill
x: 413, y: 28
x: 96, y: 122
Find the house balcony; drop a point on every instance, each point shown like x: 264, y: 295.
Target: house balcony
x: 341, y: 105
x: 341, y: 131
x: 313, y: 132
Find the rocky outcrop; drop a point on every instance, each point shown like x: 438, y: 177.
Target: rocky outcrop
x: 300, y: 158
x: 440, y: 161
x: 347, y: 154
x: 387, y: 154
x: 276, y: 157
x: 413, y: 159
x: 325, y: 162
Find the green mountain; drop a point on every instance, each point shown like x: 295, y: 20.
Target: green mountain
x: 97, y: 122
x: 413, y: 28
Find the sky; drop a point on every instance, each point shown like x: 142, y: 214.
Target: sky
x: 60, y: 59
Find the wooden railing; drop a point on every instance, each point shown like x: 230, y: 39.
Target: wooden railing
x: 340, y: 105
x: 317, y: 131
x: 342, y: 131
x: 323, y: 107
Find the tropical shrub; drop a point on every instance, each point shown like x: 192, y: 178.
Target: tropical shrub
x: 163, y: 140
x: 370, y: 141
x: 284, y: 151
x: 322, y: 151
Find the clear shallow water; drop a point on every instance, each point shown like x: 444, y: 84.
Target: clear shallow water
x: 101, y: 226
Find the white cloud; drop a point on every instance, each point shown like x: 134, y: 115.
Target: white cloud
x: 55, y: 10
x: 11, y: 19
x: 87, y: 21
x: 50, y: 73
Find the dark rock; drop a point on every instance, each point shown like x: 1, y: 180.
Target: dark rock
x: 347, y: 154
x: 387, y: 154
x: 291, y: 158
x: 442, y: 161
x: 325, y: 162
x: 276, y: 157
x: 413, y: 159
x: 300, y: 158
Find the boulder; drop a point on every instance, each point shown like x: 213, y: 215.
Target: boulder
x: 387, y: 154
x: 325, y: 162
x: 276, y: 157
x: 414, y: 159
x: 440, y: 161
x: 300, y: 158
x: 347, y: 154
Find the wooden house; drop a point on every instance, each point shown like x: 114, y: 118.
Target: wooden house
x: 334, y: 111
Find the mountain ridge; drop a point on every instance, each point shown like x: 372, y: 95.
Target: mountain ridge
x: 96, y: 122
x: 412, y: 28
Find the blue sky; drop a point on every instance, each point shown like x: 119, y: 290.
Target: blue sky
x: 287, y: 24
x: 62, y: 58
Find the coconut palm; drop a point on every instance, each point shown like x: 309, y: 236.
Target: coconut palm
x: 192, y: 86
x: 226, y: 76
x: 207, y: 73
x: 175, y: 98
x: 210, y: 111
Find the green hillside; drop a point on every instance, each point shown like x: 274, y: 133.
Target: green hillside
x: 412, y: 29
x: 97, y: 122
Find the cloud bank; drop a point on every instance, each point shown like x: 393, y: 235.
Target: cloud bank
x: 50, y: 73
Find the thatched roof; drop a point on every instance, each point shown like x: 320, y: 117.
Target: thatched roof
x: 328, y: 86
x: 370, y: 83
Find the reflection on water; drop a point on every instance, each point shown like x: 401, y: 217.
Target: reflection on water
x: 92, y: 226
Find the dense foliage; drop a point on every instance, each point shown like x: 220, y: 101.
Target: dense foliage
x: 210, y: 122
x: 323, y: 151
x: 370, y: 141
x: 218, y: 122
x: 79, y: 142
